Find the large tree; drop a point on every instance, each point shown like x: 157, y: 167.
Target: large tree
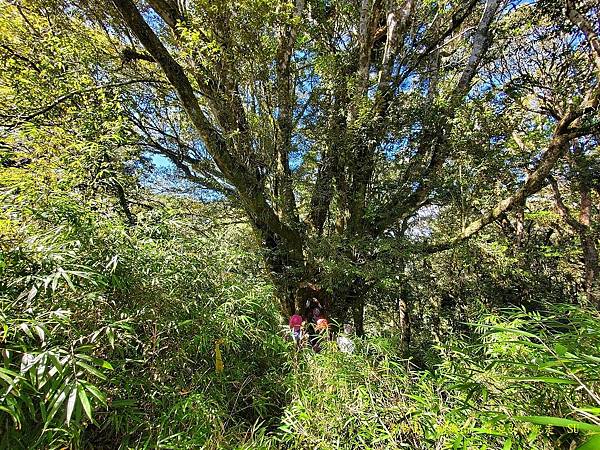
x: 333, y: 125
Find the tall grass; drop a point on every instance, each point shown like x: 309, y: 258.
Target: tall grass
x: 108, y: 339
x: 523, y: 380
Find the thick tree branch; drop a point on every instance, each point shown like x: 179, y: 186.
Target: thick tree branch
x: 563, y: 211
x: 250, y: 189
x: 592, y: 100
x: 370, y: 11
x: 480, y: 44
x: 323, y: 191
x: 397, y: 21
x: 556, y: 148
x: 399, y: 206
x: 168, y: 10
x: 588, y: 30
x: 330, y: 165
x: 285, y: 103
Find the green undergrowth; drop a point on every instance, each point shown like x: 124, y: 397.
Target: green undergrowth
x: 109, y: 338
x: 108, y: 333
x: 524, y: 380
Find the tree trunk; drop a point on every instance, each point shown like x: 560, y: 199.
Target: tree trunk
x: 358, y: 315
x: 590, y: 261
x: 583, y: 228
x: 404, y: 325
x: 519, y: 226
x: 588, y: 242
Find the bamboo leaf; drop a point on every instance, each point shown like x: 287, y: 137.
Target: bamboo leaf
x: 40, y: 332
x: 91, y: 370
x: 95, y: 392
x: 559, y: 422
x: 32, y: 293
x: 593, y: 443
x: 67, y: 278
x: 550, y: 380
x: 84, y: 401
x: 55, y: 403
x: 71, y: 403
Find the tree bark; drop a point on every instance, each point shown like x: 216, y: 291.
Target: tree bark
x: 404, y: 326
x: 358, y: 315
x: 519, y: 226
x: 586, y: 235
x: 590, y: 261
x: 588, y: 239
x: 285, y: 104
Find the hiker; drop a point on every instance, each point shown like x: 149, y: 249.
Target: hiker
x: 296, y: 328
x: 322, y: 329
x: 344, y: 342
x: 312, y: 306
x: 322, y: 326
x: 318, y: 329
x: 315, y: 329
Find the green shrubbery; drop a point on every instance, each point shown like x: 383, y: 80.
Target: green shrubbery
x: 109, y: 333
x: 116, y: 301
x: 495, y: 389
x: 108, y: 336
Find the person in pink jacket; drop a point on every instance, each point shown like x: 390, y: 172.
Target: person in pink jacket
x: 296, y: 328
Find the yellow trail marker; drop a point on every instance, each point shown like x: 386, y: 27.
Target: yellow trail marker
x: 218, y: 356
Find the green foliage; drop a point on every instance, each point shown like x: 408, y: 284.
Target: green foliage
x: 114, y: 298
x: 489, y: 392
x: 109, y: 335
x: 109, y: 329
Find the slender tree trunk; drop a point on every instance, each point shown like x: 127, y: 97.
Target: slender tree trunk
x: 590, y: 261
x: 404, y: 324
x: 519, y: 226
x: 358, y: 314
x: 588, y: 242
x: 586, y: 234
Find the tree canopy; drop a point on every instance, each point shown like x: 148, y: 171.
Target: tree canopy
x: 332, y: 124
x: 417, y: 166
